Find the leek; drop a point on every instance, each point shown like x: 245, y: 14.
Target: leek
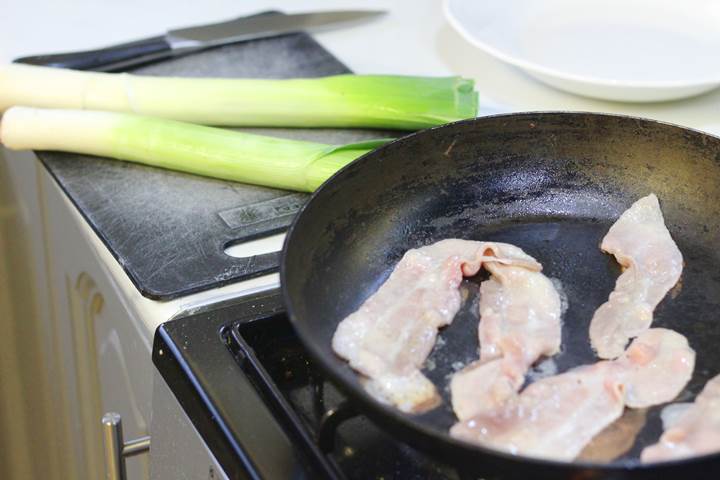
x: 208, y: 151
x: 375, y: 101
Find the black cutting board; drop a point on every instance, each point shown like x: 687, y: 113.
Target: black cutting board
x: 169, y: 230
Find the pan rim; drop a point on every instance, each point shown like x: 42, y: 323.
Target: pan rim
x: 376, y: 410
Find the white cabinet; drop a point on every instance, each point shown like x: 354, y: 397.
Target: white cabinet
x: 105, y: 358
x: 70, y: 330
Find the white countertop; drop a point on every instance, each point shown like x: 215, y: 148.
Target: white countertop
x: 413, y: 38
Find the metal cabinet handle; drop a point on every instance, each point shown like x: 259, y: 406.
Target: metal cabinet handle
x: 116, y: 449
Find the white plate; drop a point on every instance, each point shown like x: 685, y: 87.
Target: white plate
x: 627, y: 50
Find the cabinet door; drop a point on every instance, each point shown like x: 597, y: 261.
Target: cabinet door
x: 30, y: 420
x: 103, y: 351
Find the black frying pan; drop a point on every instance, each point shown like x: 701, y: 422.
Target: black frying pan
x: 551, y: 183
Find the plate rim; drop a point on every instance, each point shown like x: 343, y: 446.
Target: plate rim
x: 539, y: 69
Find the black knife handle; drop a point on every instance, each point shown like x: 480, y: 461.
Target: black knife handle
x: 106, y: 59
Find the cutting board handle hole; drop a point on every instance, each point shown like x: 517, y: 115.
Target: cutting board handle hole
x: 256, y: 247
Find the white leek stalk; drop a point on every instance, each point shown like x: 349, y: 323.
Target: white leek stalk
x: 208, y: 151
x: 375, y: 101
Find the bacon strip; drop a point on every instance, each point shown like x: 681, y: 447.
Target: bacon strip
x: 557, y: 416
x: 389, y: 337
x: 696, y: 431
x: 652, y: 265
x: 519, y: 322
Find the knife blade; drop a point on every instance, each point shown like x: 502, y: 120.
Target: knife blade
x: 182, y: 41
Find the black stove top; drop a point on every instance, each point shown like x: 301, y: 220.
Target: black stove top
x: 265, y: 411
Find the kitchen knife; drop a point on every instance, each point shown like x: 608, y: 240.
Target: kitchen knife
x: 185, y: 40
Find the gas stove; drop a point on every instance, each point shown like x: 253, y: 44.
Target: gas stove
x: 264, y: 410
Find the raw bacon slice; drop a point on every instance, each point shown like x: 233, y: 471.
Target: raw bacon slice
x: 695, y: 431
x: 485, y: 386
x: 553, y: 418
x: 655, y: 368
x: 389, y: 337
x: 652, y: 265
x: 557, y: 416
x: 519, y: 322
x: 520, y: 312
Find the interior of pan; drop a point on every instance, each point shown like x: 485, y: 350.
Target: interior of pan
x: 551, y: 183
